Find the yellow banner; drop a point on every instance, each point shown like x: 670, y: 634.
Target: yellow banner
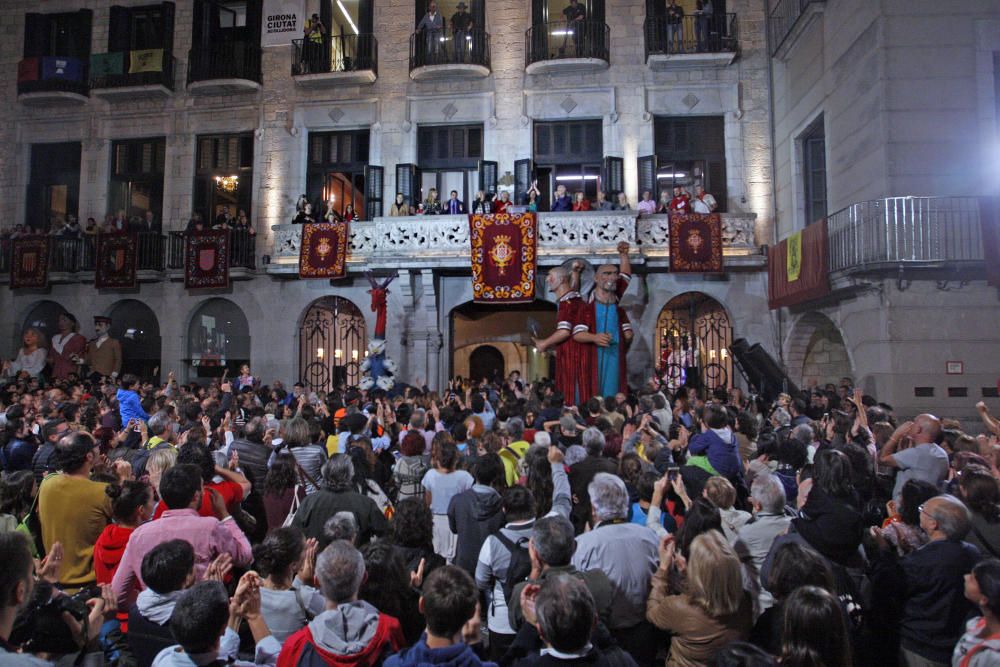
x: 793, y: 257
x: 145, y: 60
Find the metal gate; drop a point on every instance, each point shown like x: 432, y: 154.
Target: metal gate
x: 331, y: 344
x: 692, y: 343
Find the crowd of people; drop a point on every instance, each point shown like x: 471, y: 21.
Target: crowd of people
x: 490, y: 522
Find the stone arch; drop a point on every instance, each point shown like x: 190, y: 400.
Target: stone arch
x: 218, y: 337
x: 486, y: 362
x: 44, y: 316
x: 691, y: 342
x: 332, y: 343
x: 136, y: 326
x: 816, y: 350
x: 508, y: 329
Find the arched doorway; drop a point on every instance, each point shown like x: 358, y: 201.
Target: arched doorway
x: 693, y: 335
x: 44, y: 316
x: 508, y: 331
x: 817, y: 353
x: 486, y: 363
x: 135, y: 325
x: 218, y: 339
x: 332, y: 344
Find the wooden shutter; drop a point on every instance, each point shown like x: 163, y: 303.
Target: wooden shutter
x: 523, y: 171
x: 716, y: 183
x: 36, y: 35
x: 655, y: 9
x: 613, y: 176
x: 596, y: 12
x: 120, y: 29
x: 488, y: 176
x: 374, y: 186
x: 408, y: 182
x: 168, y: 27
x: 647, y: 175
x: 82, y: 34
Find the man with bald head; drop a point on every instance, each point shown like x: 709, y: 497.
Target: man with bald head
x: 602, y: 325
x: 913, y: 451
x: 928, y: 583
x: 570, y: 355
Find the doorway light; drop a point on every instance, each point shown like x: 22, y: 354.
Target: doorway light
x: 670, y: 174
x: 343, y: 10
x: 588, y: 177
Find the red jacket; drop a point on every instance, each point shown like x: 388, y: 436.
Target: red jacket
x: 108, y: 551
x: 581, y: 205
x: 300, y: 650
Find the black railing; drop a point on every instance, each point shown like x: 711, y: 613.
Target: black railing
x: 149, y: 251
x: 225, y: 60
x: 165, y: 77
x: 64, y: 254
x: 339, y: 53
x: 6, y: 249
x: 562, y: 39
x: 782, y: 19
x: 458, y: 47
x: 695, y: 33
x: 38, y: 78
x: 242, y: 250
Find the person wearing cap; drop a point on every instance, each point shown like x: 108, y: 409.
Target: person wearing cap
x: 461, y: 28
x: 67, y: 349
x: 104, y: 353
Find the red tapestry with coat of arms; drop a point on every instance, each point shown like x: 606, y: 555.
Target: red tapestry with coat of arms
x: 323, y: 251
x: 116, y: 261
x: 29, y: 265
x: 695, y: 243
x: 206, y: 259
x: 504, y: 257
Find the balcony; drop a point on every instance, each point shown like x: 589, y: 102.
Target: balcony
x: 442, y: 241
x: 461, y: 54
x: 901, y: 233
x: 697, y: 41
x: 788, y: 19
x: 51, y: 81
x: 338, y: 60
x: 158, y: 257
x: 224, y: 69
x: 156, y: 82
x: 566, y: 47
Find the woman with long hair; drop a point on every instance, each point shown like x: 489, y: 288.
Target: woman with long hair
x: 815, y: 630
x: 310, y: 457
x: 902, y: 528
x: 389, y: 587
x: 980, y: 492
x: 700, y: 517
x: 280, y: 489
x: 713, y: 610
x: 364, y: 462
x: 17, y: 495
x: 31, y: 357
x: 413, y: 536
x: 538, y: 479
x: 442, y: 483
x: 285, y: 561
x: 828, y: 507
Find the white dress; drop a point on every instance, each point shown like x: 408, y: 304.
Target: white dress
x: 33, y: 363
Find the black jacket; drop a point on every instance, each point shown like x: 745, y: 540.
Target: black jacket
x: 323, y: 504
x: 929, y: 582
x: 580, y: 475
x: 474, y: 515
x: 604, y: 652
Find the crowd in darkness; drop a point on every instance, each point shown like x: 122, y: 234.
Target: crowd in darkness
x: 489, y: 522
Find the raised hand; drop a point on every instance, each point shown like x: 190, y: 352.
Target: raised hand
x: 219, y: 568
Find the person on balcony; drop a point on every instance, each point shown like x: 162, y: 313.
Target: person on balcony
x: 432, y: 26
x: 562, y: 202
x: 703, y: 17
x: 646, y: 205
x: 482, y: 205
x: 575, y: 15
x: 312, y: 46
x: 152, y: 224
x: 461, y: 31
x: 623, y: 204
x: 675, y: 28
x: 580, y: 202
x: 119, y: 223
x: 703, y: 202
x: 681, y: 203
x: 350, y: 215
x: 90, y: 230
x: 224, y: 220
x: 432, y: 205
x: 454, y: 205
x: 243, y: 224
x: 502, y: 203
x: 399, y: 207
x: 305, y: 216
x: 72, y: 229
x: 602, y: 203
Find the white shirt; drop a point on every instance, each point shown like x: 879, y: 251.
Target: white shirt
x: 703, y: 204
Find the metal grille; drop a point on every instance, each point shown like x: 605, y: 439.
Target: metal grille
x: 331, y: 344
x: 693, y: 338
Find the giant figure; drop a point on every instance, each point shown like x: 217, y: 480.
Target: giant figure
x: 571, y: 356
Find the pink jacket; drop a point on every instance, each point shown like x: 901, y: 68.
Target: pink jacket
x: 209, y: 537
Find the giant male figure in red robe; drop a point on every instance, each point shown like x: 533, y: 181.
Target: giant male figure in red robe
x: 570, y: 355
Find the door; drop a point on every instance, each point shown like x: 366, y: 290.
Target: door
x: 486, y: 362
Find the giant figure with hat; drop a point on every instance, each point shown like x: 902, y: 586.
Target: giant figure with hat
x: 104, y: 353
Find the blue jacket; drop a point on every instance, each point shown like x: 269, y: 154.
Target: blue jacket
x: 564, y: 203
x: 418, y: 655
x: 129, y: 406
x: 17, y: 455
x: 724, y: 456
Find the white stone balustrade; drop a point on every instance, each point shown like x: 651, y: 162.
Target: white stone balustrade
x: 443, y: 240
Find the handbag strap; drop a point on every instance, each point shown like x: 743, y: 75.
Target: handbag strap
x: 302, y: 472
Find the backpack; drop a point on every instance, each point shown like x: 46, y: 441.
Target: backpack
x: 520, y: 562
x: 409, y: 474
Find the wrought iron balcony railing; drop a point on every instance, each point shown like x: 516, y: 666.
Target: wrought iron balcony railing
x: 337, y: 53
x: 224, y: 60
x: 459, y: 47
x: 561, y: 40
x: 708, y: 33
x: 782, y: 19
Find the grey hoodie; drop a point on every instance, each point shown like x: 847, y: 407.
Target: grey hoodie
x: 346, y: 630
x: 156, y: 607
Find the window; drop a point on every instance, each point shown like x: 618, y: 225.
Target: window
x: 690, y: 151
x: 136, y: 186
x: 569, y: 153
x: 448, y: 8
x: 66, y: 35
x: 54, y: 188
x: 814, y: 171
x: 336, y: 172
x: 552, y: 11
x: 138, y: 28
x: 223, y: 174
x: 442, y: 146
x: 218, y: 338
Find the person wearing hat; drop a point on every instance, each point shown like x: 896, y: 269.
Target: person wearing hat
x: 461, y: 29
x: 68, y: 348
x: 104, y: 353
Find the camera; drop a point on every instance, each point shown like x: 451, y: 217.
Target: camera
x: 40, y: 628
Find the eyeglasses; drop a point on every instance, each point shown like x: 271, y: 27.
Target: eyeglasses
x: 923, y: 511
